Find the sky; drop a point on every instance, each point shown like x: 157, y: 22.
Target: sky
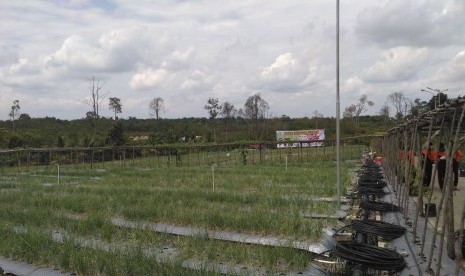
x: 188, y: 51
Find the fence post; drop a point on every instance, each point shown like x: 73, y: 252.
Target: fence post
x: 124, y: 156
x: 19, y: 161
x: 28, y: 159
x: 92, y: 159
x: 103, y: 157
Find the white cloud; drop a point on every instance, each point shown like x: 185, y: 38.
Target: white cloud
x: 194, y: 81
x: 178, y: 60
x: 352, y: 84
x: 286, y: 73
x: 413, y: 23
x: 149, y: 78
x: 8, y: 54
x: 397, y: 64
x: 188, y: 51
x: 281, y: 69
x: 115, y: 51
x: 454, y: 70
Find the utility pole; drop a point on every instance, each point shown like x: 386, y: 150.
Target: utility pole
x: 338, y: 114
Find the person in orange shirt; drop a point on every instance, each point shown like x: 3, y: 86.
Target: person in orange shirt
x: 455, y: 167
x: 428, y: 156
x: 441, y: 165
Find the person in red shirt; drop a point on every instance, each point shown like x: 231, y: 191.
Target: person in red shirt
x: 455, y: 167
x: 441, y: 165
x: 428, y: 156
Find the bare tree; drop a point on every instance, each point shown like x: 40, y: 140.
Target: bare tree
x: 316, y: 116
x: 384, y: 112
x: 115, y: 105
x: 401, y: 103
x: 354, y: 111
x: 156, y: 107
x: 14, y: 113
x: 95, y: 99
x: 349, y: 112
x: 256, y: 108
x: 227, y: 110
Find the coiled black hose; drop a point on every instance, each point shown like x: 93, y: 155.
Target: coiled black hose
x: 362, y: 190
x: 379, y: 206
x: 375, y: 185
x: 370, y: 256
x: 367, y: 178
x: 387, y: 231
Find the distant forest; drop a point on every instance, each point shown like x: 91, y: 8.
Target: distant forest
x: 27, y: 132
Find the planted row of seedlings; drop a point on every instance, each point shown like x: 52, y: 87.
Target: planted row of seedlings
x: 68, y: 224
x: 355, y: 249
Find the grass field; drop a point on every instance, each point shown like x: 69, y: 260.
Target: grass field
x: 259, y: 199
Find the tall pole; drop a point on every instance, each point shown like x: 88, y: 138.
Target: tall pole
x: 338, y: 114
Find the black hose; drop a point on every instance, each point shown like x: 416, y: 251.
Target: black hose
x: 370, y: 256
x: 376, y: 185
x: 380, y: 206
x: 363, y: 190
x: 387, y: 231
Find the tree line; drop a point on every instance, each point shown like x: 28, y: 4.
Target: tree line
x: 404, y: 108
x: 225, y: 122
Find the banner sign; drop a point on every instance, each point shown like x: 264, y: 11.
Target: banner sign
x: 292, y: 136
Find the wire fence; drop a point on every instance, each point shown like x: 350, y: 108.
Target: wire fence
x: 184, y: 155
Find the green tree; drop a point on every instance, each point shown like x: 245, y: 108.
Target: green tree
x: 24, y: 116
x: 60, y: 141
x: 418, y: 107
x: 213, y: 107
x: 115, y: 105
x: 437, y: 99
x: 115, y: 135
x: 227, y: 110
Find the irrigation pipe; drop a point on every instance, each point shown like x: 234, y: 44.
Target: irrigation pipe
x: 380, y: 206
x: 167, y: 255
x: 387, y: 231
x: 370, y: 256
x: 221, y: 235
